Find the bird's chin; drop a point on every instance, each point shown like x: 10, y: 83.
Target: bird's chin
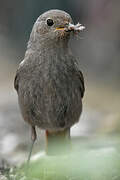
x: 62, y: 34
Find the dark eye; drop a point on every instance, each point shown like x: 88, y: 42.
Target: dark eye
x: 50, y: 22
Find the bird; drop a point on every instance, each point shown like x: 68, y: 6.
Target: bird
x: 48, y: 81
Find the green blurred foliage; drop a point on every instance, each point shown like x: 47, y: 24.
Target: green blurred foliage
x: 89, y: 160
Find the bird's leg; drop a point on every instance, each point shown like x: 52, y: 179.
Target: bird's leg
x: 58, y: 142
x: 33, y: 138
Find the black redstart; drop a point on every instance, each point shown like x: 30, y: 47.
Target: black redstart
x: 49, y: 84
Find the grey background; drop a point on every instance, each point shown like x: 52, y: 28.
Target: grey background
x: 98, y: 50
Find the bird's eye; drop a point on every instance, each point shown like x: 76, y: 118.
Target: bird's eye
x: 50, y: 22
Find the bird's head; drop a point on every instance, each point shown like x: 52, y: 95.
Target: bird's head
x: 54, y: 25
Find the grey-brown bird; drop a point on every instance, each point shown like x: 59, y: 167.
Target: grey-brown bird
x: 49, y: 84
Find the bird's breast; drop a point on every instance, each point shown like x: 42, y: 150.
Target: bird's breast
x: 51, y: 97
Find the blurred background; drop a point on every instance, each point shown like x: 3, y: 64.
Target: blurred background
x: 98, y: 51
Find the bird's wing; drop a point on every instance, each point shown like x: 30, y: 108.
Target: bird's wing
x: 16, y: 84
x: 16, y: 80
x: 80, y: 77
x: 82, y: 85
x: 17, y: 76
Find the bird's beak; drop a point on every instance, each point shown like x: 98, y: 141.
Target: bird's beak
x: 71, y: 27
x: 60, y: 28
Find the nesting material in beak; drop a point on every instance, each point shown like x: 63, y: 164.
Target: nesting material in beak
x: 78, y: 27
x: 71, y: 27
